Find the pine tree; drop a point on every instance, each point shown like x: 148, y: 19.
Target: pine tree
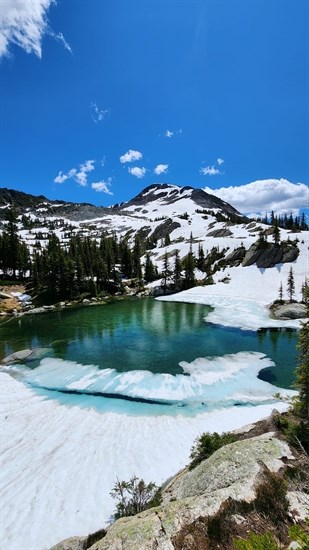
x: 302, y: 370
x: 150, y: 272
x: 177, y: 271
x: 165, y: 273
x: 200, y: 258
x: 281, y: 292
x: 189, y: 267
x: 276, y: 233
x: 291, y: 285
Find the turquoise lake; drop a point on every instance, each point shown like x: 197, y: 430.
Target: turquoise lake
x: 145, y: 335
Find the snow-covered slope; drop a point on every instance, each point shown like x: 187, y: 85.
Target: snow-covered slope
x: 190, y: 217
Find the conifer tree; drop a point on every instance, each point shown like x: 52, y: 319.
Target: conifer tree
x: 150, y: 272
x: 291, y: 285
x: 302, y: 370
x: 281, y: 292
x: 276, y: 232
x: 177, y: 270
x: 165, y: 273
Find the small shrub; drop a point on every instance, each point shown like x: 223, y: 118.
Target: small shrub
x: 256, y: 542
x: 297, y: 534
x: 207, y: 444
x: 271, y: 500
x: 134, y: 496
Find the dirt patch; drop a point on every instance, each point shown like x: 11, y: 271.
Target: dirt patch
x: 7, y: 305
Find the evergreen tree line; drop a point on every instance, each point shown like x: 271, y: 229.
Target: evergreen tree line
x: 86, y: 266
x: 293, y: 223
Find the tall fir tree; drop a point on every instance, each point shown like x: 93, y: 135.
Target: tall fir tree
x: 302, y: 370
x: 291, y: 285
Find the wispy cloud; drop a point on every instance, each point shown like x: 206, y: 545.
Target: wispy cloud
x: 97, y: 114
x: 161, y: 169
x: 79, y: 175
x: 60, y: 38
x: 102, y: 186
x: 209, y: 171
x: 172, y: 133
x: 212, y: 170
x: 261, y: 196
x: 24, y: 23
x: 137, y: 172
x: 130, y: 156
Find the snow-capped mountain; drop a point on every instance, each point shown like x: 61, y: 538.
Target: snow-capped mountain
x: 171, y: 218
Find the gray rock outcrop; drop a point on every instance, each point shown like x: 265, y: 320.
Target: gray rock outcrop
x: 289, y: 311
x: 231, y: 472
x: 270, y: 254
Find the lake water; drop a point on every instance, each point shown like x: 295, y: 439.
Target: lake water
x: 133, y: 353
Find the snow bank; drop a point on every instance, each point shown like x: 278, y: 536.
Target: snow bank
x: 59, y: 463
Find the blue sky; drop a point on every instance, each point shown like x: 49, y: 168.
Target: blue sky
x: 101, y: 98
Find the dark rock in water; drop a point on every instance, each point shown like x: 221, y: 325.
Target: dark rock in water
x: 26, y: 355
x: 36, y: 310
x: 18, y: 356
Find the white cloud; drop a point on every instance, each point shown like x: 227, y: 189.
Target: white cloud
x: 171, y: 133
x: 130, y: 156
x: 24, y: 23
x: 220, y: 161
x: 137, y: 172
x: 102, y: 186
x: 80, y: 176
x: 209, y: 171
x: 97, y: 114
x: 261, y: 196
x: 60, y: 38
x: 161, y: 169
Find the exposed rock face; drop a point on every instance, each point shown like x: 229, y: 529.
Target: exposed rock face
x: 165, y: 229
x: 236, y: 257
x: 270, y: 254
x: 219, y: 233
x: 231, y: 472
x: 289, y: 311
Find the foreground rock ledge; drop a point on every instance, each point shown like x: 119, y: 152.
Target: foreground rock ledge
x: 231, y: 472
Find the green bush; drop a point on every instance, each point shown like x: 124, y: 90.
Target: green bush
x: 207, y: 444
x: 256, y: 542
x: 297, y: 534
x: 134, y: 496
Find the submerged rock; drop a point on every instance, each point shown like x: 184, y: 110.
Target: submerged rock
x: 17, y: 356
x: 26, y: 355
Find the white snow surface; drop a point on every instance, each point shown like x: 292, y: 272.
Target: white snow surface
x: 59, y: 463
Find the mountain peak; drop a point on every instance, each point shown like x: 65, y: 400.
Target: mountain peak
x: 168, y: 193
